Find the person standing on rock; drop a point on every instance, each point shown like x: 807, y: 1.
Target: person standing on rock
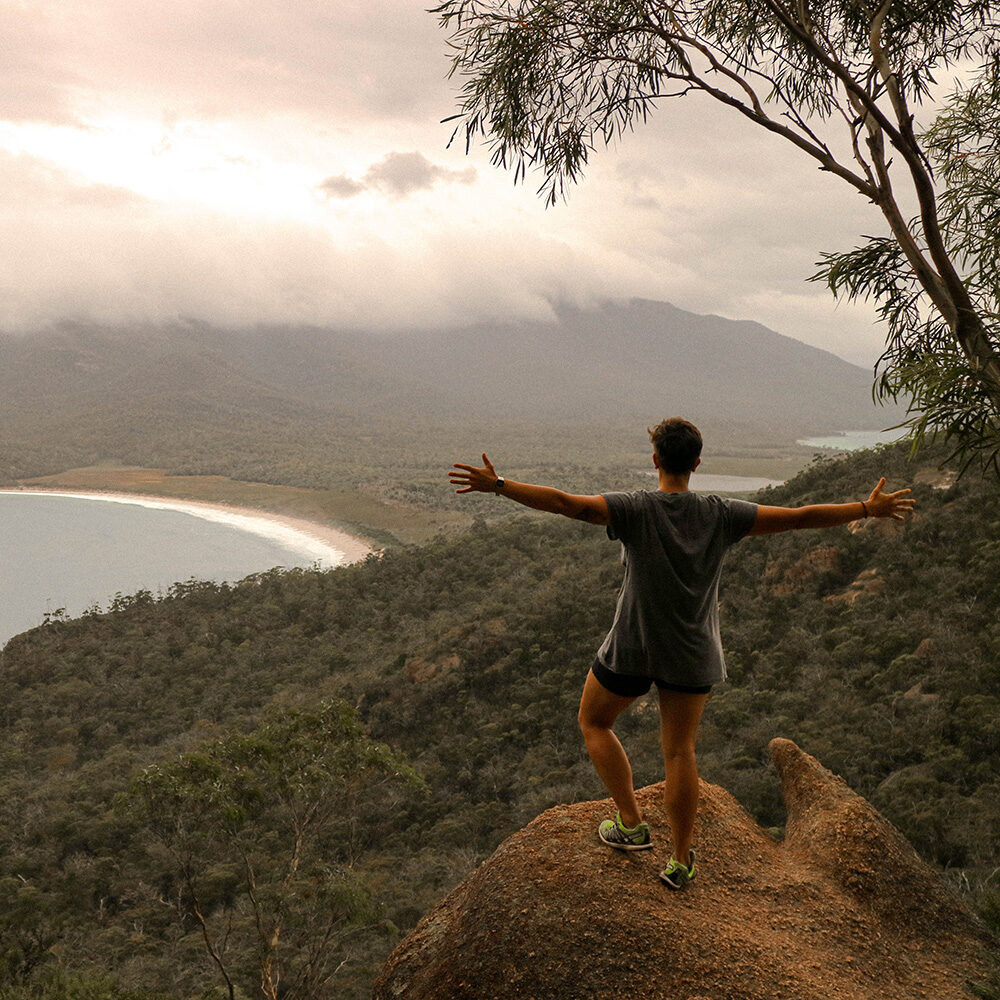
x: 666, y: 625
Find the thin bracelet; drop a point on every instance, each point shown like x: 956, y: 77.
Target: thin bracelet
x: 865, y: 509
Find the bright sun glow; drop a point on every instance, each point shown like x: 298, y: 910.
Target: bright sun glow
x: 189, y: 163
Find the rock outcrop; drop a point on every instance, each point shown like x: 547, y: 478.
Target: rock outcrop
x: 811, y: 565
x: 842, y: 909
x: 868, y: 581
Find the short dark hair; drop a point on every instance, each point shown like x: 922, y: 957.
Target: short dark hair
x: 677, y: 443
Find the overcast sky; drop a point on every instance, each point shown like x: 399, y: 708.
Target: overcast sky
x: 285, y: 162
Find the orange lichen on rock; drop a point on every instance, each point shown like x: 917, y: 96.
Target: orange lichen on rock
x: 842, y: 909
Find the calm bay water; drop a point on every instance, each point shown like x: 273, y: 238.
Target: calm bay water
x: 68, y: 552
x: 73, y: 552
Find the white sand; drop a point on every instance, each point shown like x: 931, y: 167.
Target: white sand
x: 316, y: 542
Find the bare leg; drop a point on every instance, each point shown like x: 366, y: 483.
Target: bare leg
x: 599, y: 708
x: 680, y: 714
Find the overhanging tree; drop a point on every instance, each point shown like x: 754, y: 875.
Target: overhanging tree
x: 545, y: 81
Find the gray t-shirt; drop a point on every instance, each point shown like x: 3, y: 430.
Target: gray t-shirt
x: 667, y: 621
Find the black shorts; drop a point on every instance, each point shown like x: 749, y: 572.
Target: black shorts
x: 631, y: 686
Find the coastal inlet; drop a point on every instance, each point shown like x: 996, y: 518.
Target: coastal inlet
x: 73, y: 550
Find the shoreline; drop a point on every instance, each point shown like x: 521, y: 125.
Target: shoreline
x: 341, y: 549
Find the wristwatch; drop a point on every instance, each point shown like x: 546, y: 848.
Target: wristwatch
x: 499, y: 484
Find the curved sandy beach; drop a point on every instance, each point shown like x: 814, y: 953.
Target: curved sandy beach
x: 322, y: 544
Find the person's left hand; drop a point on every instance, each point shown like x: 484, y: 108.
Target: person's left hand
x: 893, y: 505
x: 474, y: 480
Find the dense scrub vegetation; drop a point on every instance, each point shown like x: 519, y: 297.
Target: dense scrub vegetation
x: 876, y: 650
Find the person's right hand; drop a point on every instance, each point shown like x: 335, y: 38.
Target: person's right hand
x: 474, y: 480
x: 893, y: 505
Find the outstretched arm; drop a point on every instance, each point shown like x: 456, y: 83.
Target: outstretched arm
x: 774, y: 519
x: 470, y: 479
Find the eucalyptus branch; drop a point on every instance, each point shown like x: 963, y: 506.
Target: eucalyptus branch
x: 723, y: 70
x: 826, y: 159
x: 886, y: 201
x: 881, y: 63
x: 804, y: 18
x: 854, y: 126
x: 756, y: 113
x: 685, y: 38
x: 942, y: 282
x: 189, y: 881
x: 826, y: 58
x: 258, y: 912
x: 312, y: 972
x: 958, y: 309
x: 793, y: 114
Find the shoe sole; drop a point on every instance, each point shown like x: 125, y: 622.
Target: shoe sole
x: 626, y: 847
x: 676, y: 888
x: 687, y: 880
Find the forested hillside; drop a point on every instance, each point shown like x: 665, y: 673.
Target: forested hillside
x: 876, y: 650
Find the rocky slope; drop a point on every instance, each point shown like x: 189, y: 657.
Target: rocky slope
x: 841, y: 909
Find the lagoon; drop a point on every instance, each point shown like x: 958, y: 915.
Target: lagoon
x: 854, y: 440
x: 708, y: 482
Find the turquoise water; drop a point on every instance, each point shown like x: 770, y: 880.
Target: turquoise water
x: 63, y: 552
x: 854, y: 440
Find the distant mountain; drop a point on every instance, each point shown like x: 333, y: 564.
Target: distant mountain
x: 635, y: 360
x: 619, y: 363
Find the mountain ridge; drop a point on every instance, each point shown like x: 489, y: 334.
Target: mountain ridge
x: 629, y: 359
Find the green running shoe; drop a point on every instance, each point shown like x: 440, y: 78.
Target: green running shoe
x: 676, y: 875
x: 613, y: 833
